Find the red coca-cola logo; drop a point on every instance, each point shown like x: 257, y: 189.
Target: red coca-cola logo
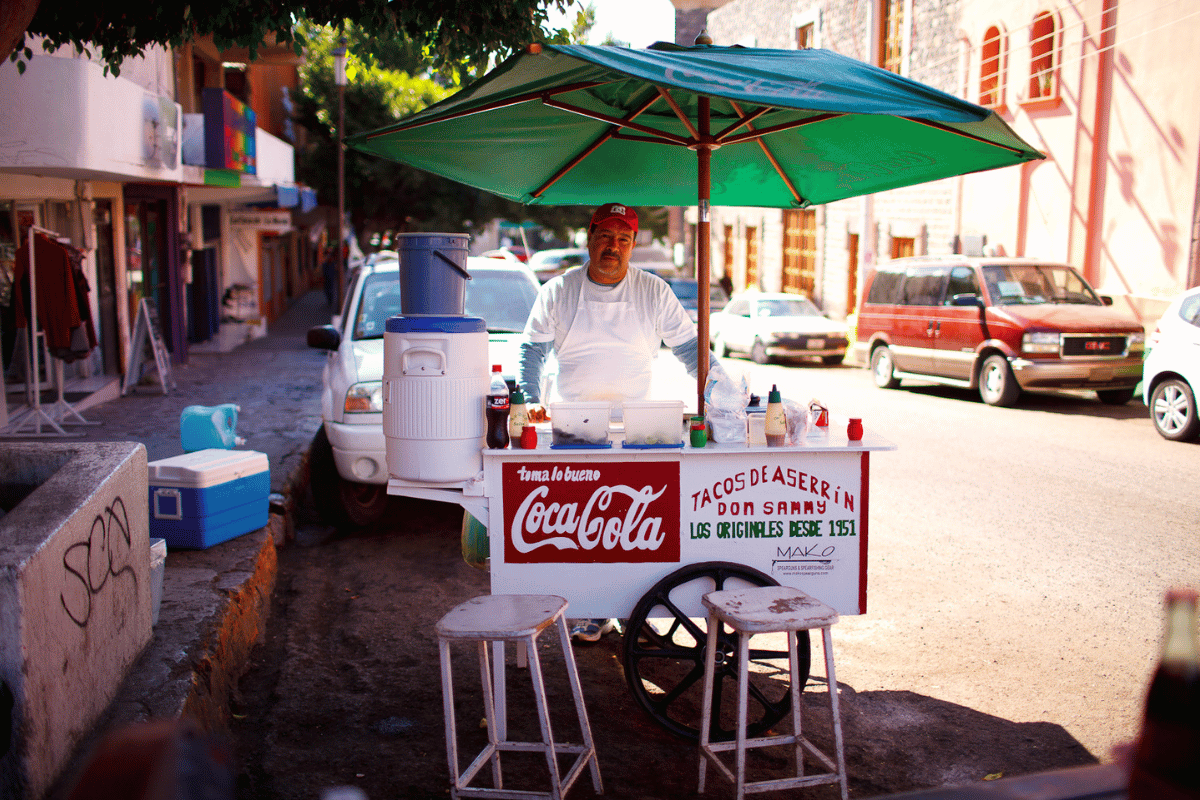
x: 598, y: 513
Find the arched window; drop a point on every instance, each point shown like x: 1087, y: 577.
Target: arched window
x: 991, y: 69
x: 1043, y: 48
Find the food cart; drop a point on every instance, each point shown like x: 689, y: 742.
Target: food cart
x: 641, y: 534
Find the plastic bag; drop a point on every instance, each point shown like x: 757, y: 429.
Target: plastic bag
x: 798, y: 421
x: 725, y: 400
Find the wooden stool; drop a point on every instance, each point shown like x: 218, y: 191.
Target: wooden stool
x: 495, y: 619
x: 769, y: 609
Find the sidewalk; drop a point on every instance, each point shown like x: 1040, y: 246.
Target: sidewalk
x: 215, y: 602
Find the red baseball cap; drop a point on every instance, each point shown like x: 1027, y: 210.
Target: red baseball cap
x: 614, y: 211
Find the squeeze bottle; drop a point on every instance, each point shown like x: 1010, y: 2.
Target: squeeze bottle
x: 518, y: 416
x: 776, y: 424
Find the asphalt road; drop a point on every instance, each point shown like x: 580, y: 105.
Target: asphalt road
x: 1017, y: 562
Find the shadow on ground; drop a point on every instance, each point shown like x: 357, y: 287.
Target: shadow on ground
x: 345, y: 690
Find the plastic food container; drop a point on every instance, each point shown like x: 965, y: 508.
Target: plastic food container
x: 653, y: 422
x: 579, y: 423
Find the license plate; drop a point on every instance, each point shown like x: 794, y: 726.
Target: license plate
x: 1102, y: 374
x: 816, y: 344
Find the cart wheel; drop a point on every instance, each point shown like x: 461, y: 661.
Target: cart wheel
x: 664, y: 657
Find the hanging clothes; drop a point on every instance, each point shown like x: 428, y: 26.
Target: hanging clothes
x: 57, y: 301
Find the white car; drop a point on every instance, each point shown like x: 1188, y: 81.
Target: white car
x: 547, y: 264
x: 767, y: 325
x: 348, y: 458
x: 1171, y: 373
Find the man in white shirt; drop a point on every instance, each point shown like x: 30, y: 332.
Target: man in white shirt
x: 606, y: 323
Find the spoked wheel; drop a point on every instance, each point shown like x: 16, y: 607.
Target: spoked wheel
x: 664, y: 657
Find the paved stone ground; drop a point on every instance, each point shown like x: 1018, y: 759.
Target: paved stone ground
x: 215, y: 602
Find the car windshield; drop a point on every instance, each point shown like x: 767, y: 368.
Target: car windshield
x: 797, y: 307
x: 1028, y: 284
x: 501, y: 297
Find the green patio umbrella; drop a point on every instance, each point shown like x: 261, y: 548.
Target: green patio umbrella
x: 701, y: 125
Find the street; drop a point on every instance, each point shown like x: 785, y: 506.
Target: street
x: 1017, y: 562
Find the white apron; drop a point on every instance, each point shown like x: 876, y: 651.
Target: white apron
x: 606, y: 354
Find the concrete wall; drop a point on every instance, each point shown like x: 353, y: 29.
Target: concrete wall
x: 74, y: 596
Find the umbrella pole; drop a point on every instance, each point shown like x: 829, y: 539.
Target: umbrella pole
x: 703, y: 180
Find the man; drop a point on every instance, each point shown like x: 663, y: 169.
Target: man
x: 606, y: 322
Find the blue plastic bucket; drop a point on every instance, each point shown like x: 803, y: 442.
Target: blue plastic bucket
x: 433, y: 273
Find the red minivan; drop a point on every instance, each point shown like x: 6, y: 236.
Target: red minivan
x: 999, y: 325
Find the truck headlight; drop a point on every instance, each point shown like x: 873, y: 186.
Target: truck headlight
x: 1045, y: 342
x: 364, y: 398
x: 1137, y: 341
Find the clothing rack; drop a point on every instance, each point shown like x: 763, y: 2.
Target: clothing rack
x: 32, y: 422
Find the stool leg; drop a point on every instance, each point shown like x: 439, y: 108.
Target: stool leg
x: 543, y: 710
x: 448, y: 712
x: 495, y: 734
x: 564, y: 639
x: 835, y: 710
x: 743, y: 693
x: 797, y: 693
x: 710, y: 657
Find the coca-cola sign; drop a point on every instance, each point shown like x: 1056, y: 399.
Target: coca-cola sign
x: 608, y: 512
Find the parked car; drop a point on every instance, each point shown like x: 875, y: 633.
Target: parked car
x: 348, y: 455
x: 688, y: 292
x: 767, y: 325
x: 1171, y: 374
x: 998, y: 325
x: 547, y: 264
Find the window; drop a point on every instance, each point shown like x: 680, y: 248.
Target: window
x: 962, y: 281
x: 886, y: 287
x: 804, y: 36
x: 991, y: 69
x: 1043, y: 34
x: 903, y: 246
x: 925, y: 287
x: 891, y: 35
x: 751, y: 256
x: 799, y: 250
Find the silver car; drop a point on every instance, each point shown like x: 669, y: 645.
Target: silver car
x: 767, y: 325
x: 348, y: 455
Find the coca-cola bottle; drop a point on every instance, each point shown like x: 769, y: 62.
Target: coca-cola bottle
x: 1166, y: 761
x: 497, y: 411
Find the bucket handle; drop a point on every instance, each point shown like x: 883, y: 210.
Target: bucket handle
x: 428, y: 351
x: 451, y: 262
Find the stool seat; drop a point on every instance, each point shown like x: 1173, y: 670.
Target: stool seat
x: 490, y: 621
x: 769, y: 609
x: 501, y: 617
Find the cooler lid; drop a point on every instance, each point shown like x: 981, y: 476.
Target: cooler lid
x: 435, y: 324
x: 205, y: 468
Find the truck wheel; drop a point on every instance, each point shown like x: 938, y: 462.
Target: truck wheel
x: 340, y: 502
x: 997, y: 384
x: 883, y: 368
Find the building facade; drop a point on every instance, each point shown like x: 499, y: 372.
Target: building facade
x: 109, y: 167
x: 1090, y: 83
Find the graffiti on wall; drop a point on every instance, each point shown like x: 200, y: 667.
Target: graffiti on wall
x: 89, y: 565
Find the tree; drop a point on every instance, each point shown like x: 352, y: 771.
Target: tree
x: 447, y: 32
x: 387, y: 81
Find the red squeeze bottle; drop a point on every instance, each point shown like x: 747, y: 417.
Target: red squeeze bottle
x: 1166, y: 762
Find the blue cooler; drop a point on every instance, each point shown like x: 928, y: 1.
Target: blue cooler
x: 207, y: 497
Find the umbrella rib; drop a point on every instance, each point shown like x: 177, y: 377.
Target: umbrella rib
x: 687, y: 123
x: 783, y: 126
x: 587, y: 151
x: 791, y: 187
x: 617, y: 121
x: 947, y: 129
x: 492, y: 106
x: 745, y: 120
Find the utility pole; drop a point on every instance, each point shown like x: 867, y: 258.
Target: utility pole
x: 339, y: 78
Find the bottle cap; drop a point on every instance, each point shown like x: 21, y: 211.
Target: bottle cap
x: 754, y: 400
x: 774, y: 396
x: 495, y: 367
x: 517, y: 397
